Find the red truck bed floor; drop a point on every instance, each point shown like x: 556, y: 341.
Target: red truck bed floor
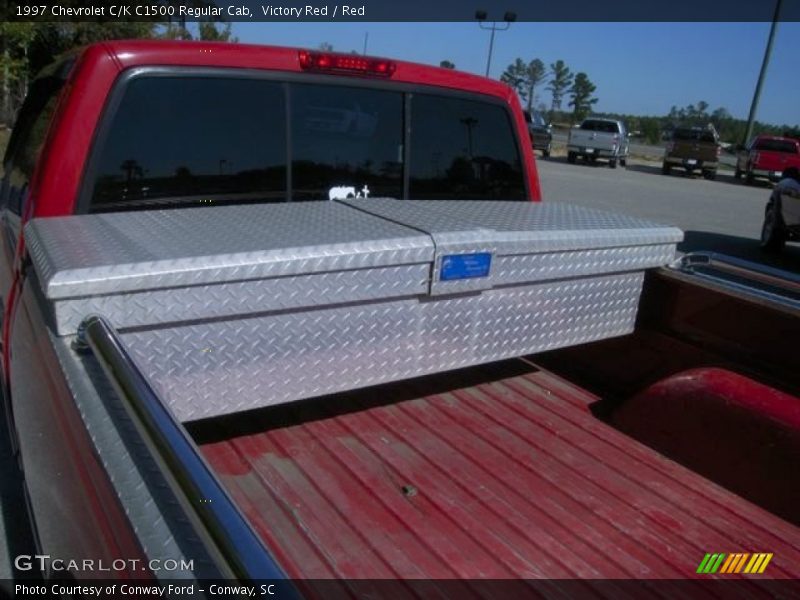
x: 496, y: 472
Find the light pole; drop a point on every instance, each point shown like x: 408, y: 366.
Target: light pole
x: 508, y: 18
x: 757, y: 94
x: 469, y: 123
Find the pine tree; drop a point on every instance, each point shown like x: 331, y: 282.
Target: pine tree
x: 582, y: 98
x: 560, y: 81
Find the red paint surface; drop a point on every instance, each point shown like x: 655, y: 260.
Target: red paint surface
x: 59, y: 171
x: 741, y: 433
x: 769, y: 160
x: 510, y: 476
x: 55, y: 182
x: 62, y: 452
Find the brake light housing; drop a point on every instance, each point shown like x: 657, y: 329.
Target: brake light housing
x: 345, y: 64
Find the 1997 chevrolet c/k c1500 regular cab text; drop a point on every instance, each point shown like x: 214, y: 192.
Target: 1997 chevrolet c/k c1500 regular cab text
x: 293, y: 314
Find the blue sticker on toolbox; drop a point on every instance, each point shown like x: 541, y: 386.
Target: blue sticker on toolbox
x: 465, y: 266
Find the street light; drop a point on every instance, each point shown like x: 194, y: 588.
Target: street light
x: 509, y: 18
x: 764, y: 64
x: 469, y: 123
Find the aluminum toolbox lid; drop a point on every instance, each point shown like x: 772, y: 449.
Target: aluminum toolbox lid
x: 510, y: 241
x: 513, y: 227
x: 92, y: 255
x: 119, y: 252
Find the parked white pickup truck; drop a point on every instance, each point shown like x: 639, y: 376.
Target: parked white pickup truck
x: 599, y: 138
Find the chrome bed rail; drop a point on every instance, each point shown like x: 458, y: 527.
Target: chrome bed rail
x: 781, y: 286
x: 230, y: 540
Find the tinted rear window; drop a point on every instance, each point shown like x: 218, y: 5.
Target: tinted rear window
x: 604, y: 126
x: 694, y: 135
x: 184, y: 137
x: 463, y: 149
x: 776, y: 146
x: 346, y: 136
x: 177, y: 140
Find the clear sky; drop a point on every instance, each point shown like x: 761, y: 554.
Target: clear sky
x: 638, y: 68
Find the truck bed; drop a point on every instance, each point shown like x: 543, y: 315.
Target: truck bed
x: 499, y: 471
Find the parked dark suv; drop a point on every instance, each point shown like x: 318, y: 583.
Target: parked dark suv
x: 540, y: 131
x: 693, y: 148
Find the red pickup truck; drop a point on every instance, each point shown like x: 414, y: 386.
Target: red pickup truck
x: 272, y: 313
x: 767, y: 157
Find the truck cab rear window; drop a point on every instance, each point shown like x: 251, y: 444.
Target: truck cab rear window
x: 193, y: 140
x: 603, y: 126
x: 693, y: 135
x: 786, y: 146
x: 463, y: 149
x: 348, y: 138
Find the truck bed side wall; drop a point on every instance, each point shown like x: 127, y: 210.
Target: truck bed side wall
x: 76, y: 510
x: 709, y: 379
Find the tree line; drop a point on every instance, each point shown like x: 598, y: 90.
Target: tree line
x: 653, y: 129
x: 27, y: 47
x: 527, y: 77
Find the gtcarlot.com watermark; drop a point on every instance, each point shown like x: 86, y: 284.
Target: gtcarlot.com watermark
x: 49, y: 564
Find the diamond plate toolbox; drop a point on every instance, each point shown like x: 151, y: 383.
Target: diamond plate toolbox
x: 232, y: 308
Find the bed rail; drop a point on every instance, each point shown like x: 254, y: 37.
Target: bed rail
x: 229, y: 538
x: 745, y: 276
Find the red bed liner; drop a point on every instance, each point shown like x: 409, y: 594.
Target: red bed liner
x: 493, y: 472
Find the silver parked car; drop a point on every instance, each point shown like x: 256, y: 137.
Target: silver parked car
x: 599, y: 138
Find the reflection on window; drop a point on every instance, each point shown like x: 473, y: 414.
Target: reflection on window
x: 346, y: 138
x: 463, y: 149
x: 203, y: 140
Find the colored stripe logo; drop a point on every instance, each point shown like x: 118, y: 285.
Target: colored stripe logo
x: 737, y: 562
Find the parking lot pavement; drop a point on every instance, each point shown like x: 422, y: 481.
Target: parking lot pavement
x: 722, y: 215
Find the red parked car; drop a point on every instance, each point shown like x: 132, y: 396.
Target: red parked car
x: 767, y: 157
